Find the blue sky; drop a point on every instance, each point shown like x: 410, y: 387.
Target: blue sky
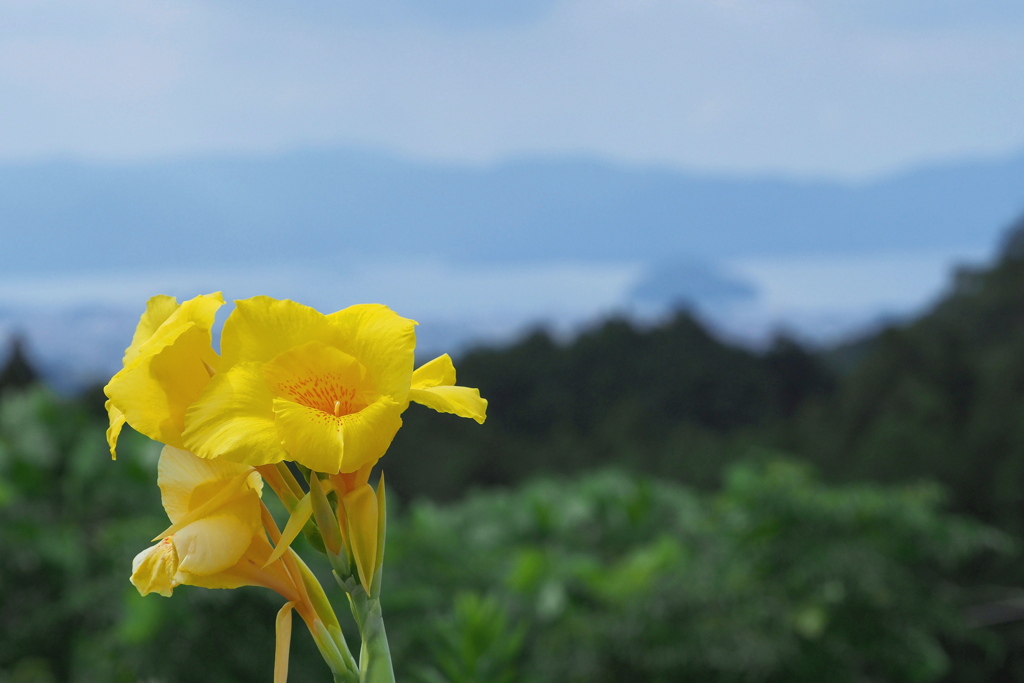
x: 846, y: 89
x: 843, y: 89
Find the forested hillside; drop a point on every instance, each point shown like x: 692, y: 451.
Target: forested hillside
x: 941, y: 397
x: 670, y: 400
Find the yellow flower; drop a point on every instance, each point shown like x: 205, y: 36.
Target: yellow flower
x: 216, y: 539
x: 165, y: 369
x: 326, y: 391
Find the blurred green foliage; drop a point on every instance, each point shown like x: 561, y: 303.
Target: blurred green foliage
x: 605, y: 577
x: 774, y: 578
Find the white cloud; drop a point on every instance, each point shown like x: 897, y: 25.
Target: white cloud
x: 112, y: 72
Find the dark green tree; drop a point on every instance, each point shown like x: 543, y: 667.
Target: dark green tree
x: 17, y: 372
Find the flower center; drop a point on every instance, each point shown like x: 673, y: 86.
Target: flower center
x: 322, y: 378
x: 327, y: 392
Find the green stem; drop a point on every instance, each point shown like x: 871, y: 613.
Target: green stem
x: 374, y: 655
x: 342, y: 666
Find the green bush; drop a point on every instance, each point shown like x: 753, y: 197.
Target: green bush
x: 607, y: 577
x: 777, y: 577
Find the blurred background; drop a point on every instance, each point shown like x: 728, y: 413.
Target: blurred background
x: 743, y: 281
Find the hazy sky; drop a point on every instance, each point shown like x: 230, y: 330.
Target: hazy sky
x: 836, y: 87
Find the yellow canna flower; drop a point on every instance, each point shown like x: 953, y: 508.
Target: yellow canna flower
x: 327, y: 391
x: 165, y: 369
x: 216, y: 539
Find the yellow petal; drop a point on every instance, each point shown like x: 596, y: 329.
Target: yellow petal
x: 432, y: 386
x: 114, y: 430
x: 298, y: 518
x: 215, y: 508
x: 154, y: 568
x: 283, y: 629
x: 212, y: 506
x: 138, y: 393
x: 261, y: 328
x: 249, y: 571
x: 215, y: 543
x: 462, y: 401
x: 187, y: 482
x: 233, y: 419
x: 158, y: 309
x: 361, y: 518
x: 154, y: 391
x: 439, y: 372
x: 381, y: 340
x: 163, y: 315
x: 328, y: 443
x: 225, y: 496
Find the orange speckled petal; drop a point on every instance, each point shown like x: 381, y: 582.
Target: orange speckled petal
x: 383, y: 341
x: 326, y: 443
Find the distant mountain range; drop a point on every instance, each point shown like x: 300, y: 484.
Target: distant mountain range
x: 57, y: 216
x: 558, y: 239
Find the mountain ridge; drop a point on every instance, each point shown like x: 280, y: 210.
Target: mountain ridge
x: 63, y: 215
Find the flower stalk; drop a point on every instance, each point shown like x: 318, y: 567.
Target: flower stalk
x: 374, y: 655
